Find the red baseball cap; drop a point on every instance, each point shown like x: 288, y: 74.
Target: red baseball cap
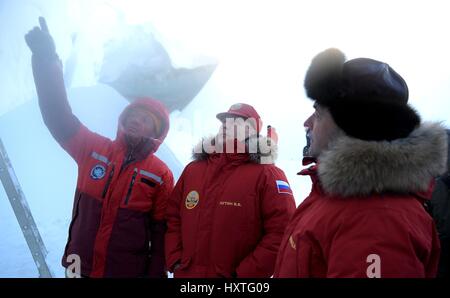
x: 242, y: 110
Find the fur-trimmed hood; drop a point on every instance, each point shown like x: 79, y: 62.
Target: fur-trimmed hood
x: 353, y: 167
x: 266, y: 154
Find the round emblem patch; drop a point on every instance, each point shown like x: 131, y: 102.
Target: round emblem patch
x: 98, y: 172
x: 192, y: 199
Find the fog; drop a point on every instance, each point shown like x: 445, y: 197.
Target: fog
x: 199, y: 57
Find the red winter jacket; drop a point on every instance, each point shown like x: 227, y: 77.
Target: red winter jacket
x: 365, y: 216
x: 121, y: 193
x: 226, y: 217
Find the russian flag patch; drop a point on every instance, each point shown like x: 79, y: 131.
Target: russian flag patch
x: 283, y: 187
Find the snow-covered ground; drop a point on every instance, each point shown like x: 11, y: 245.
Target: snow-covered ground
x: 263, y: 51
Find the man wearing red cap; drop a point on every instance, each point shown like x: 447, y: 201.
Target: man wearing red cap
x: 229, y: 209
x: 122, y: 187
x: 375, y: 165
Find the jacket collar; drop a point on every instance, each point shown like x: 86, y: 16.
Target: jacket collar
x: 353, y: 167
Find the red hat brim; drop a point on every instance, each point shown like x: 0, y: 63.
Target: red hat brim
x: 224, y: 115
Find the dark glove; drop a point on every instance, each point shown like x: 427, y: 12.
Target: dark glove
x: 176, y: 266
x: 41, y: 42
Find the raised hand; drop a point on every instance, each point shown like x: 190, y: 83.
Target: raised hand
x: 41, y: 42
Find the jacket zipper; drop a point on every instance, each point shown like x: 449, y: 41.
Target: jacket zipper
x: 125, y: 163
x: 127, y: 160
x: 133, y: 178
x: 111, y: 174
x: 75, y: 216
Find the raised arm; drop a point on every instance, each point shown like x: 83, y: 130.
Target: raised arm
x: 48, y: 77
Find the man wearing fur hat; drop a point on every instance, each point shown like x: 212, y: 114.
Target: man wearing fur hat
x: 228, y: 211
x: 375, y: 165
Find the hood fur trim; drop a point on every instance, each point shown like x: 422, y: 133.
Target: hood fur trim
x: 353, y: 167
x: 199, y: 152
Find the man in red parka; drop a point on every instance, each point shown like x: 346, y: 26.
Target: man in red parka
x: 375, y: 163
x: 122, y: 187
x: 229, y: 209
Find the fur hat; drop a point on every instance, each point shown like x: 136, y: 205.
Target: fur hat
x: 367, y: 99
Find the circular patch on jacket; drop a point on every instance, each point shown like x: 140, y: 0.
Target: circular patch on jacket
x: 98, y: 172
x: 192, y: 199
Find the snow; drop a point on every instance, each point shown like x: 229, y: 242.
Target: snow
x: 263, y: 51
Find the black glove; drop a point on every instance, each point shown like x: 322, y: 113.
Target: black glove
x: 41, y: 42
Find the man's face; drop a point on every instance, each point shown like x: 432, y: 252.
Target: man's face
x: 322, y: 130
x: 138, y: 124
